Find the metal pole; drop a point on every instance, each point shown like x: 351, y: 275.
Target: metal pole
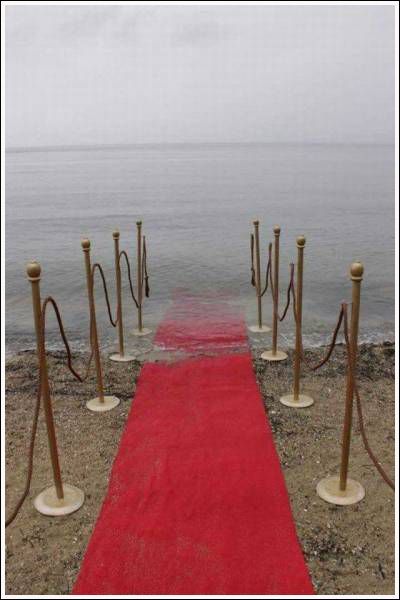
x: 119, y: 293
x: 356, y: 272
x: 258, y: 273
x: 301, y: 242
x: 277, y: 231
x: 139, y: 273
x: 92, y: 312
x: 33, y: 270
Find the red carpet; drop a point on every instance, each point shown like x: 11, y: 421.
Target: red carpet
x: 197, y: 502
x: 197, y: 326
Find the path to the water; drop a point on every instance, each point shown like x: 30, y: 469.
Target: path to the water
x: 197, y: 502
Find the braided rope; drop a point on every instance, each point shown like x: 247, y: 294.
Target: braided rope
x: 288, y: 293
x: 252, y: 269
x: 100, y: 269
x: 145, y: 276
x: 331, y: 345
x: 367, y: 447
x: 81, y: 378
x: 268, y: 271
x: 124, y: 254
x: 271, y: 282
x: 28, y: 480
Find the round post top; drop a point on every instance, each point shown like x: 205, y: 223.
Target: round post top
x: 356, y: 271
x: 85, y: 245
x: 277, y: 230
x: 139, y: 223
x: 33, y: 270
x: 301, y: 241
x: 256, y: 223
x: 116, y: 234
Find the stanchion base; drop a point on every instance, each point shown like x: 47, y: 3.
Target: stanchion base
x: 279, y: 355
x: 109, y: 403
x: 144, y: 331
x: 48, y: 504
x: 257, y: 329
x: 328, y: 490
x: 117, y: 357
x: 302, y: 401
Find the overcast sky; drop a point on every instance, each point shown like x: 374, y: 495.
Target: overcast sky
x: 125, y: 74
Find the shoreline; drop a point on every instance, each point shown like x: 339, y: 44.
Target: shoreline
x: 348, y: 550
x: 81, y: 348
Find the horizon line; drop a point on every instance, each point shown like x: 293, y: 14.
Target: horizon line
x: 115, y: 145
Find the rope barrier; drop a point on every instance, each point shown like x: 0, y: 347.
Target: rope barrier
x: 124, y: 254
x: 100, y: 269
x: 367, y: 447
x: 28, y: 480
x: 42, y: 394
x: 331, y: 345
x: 290, y: 287
x: 268, y: 271
x: 80, y: 378
x: 271, y: 282
x: 253, y: 271
x: 145, y: 276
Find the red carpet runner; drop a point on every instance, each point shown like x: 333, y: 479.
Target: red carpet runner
x: 197, y: 502
x: 196, y: 326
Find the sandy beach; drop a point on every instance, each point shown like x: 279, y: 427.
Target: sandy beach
x: 348, y: 550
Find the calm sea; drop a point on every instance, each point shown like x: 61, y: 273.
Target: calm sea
x: 197, y: 203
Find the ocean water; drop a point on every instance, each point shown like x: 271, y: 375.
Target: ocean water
x: 197, y: 204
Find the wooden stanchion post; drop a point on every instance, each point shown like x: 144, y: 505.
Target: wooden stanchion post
x: 258, y: 273
x: 343, y: 490
x: 356, y: 276
x: 119, y: 356
x: 259, y: 328
x: 60, y: 499
x: 139, y: 274
x: 33, y: 270
x: 277, y: 233
x: 140, y: 330
x: 119, y: 294
x: 101, y: 403
x: 275, y: 354
x: 296, y: 399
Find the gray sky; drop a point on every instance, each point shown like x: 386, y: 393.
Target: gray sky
x: 125, y: 74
